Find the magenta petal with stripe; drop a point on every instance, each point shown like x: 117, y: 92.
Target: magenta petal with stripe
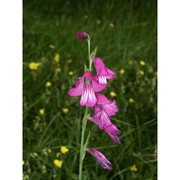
x: 105, y: 124
x: 113, y: 131
x: 77, y: 91
x: 102, y: 71
x: 86, y: 86
x: 103, y: 161
x: 109, y: 106
x: 100, y: 118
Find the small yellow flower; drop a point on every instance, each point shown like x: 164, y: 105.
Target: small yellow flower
x: 22, y: 162
x: 64, y: 149
x: 34, y: 65
x: 130, y: 62
x: 111, y: 25
x: 141, y: 73
x: 48, y: 84
x: 142, y: 63
x: 57, y: 57
x: 58, y: 70
x: 131, y: 100
x: 98, y: 21
x: 69, y: 61
x: 49, y: 150
x: 58, y: 163
x: 65, y: 110
x: 134, y: 168
x: 85, y: 17
x: 113, y: 94
x: 52, y: 46
x: 41, y: 111
x: 71, y: 73
x: 122, y: 71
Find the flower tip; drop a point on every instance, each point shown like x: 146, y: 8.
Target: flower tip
x: 103, y: 161
x: 81, y: 35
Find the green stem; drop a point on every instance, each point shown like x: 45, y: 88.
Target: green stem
x: 84, y: 121
x: 82, y: 148
x: 89, y: 53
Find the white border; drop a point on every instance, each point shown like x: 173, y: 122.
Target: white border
x: 168, y: 90
x: 11, y: 89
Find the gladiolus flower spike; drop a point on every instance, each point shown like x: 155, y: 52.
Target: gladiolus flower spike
x: 89, y: 86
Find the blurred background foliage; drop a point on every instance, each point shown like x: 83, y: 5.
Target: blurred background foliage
x: 125, y: 33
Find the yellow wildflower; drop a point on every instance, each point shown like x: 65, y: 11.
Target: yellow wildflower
x: 58, y: 70
x: 111, y: 25
x: 134, y: 168
x: 52, y: 46
x: 85, y: 17
x: 141, y: 73
x: 48, y: 84
x: 34, y: 65
x: 58, y: 163
x: 41, y: 111
x: 22, y: 162
x: 65, y: 110
x: 57, y: 57
x: 122, y: 71
x: 130, y: 62
x: 69, y: 61
x: 98, y: 21
x: 113, y: 94
x: 71, y: 73
x: 64, y: 149
x: 131, y: 100
x: 142, y: 63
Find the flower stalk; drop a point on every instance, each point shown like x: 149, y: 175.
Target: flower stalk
x: 89, y: 53
x: 82, y: 148
x: 84, y: 121
x: 88, y: 87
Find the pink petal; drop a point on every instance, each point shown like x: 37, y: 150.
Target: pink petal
x: 102, y: 99
x: 104, y: 162
x: 81, y: 35
x: 99, y: 66
x: 111, y: 108
x: 88, y: 97
x: 88, y: 75
x: 77, y: 91
x: 110, y: 74
x: 113, y: 131
x: 84, y: 98
x: 102, y: 80
x: 94, y: 119
x: 98, y: 87
x: 101, y: 119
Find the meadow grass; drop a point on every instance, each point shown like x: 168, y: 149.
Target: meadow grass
x: 124, y: 33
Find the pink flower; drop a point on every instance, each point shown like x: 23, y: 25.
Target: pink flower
x: 113, y: 131
x: 81, y: 35
x: 103, y: 109
x: 105, y: 124
x: 108, y: 106
x: 100, y: 158
x: 86, y: 86
x: 103, y: 73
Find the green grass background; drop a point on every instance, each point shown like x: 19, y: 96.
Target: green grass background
x: 127, y: 32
